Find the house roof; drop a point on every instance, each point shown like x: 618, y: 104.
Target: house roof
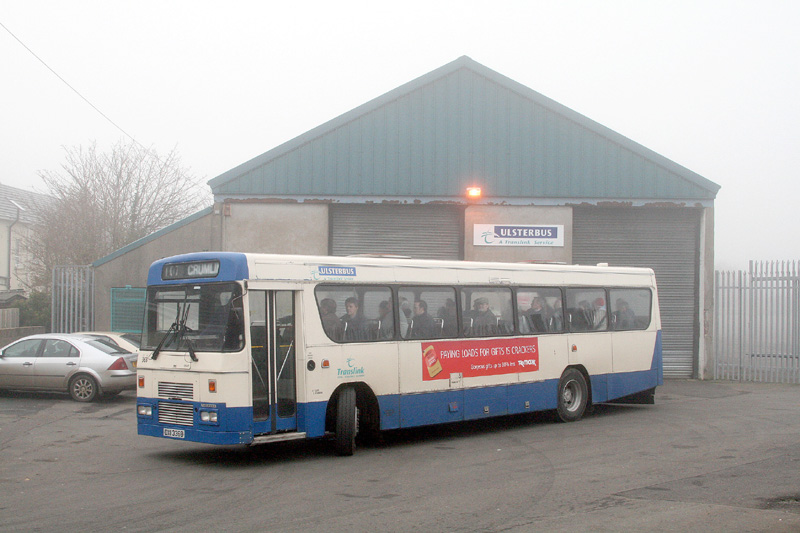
x: 26, y: 201
x: 459, y: 125
x: 11, y: 298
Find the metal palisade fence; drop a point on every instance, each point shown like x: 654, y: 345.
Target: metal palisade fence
x: 757, y: 323
x: 73, y: 299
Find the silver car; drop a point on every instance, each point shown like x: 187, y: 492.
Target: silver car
x: 84, y: 366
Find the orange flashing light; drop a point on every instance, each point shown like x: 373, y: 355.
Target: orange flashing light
x: 212, y: 385
x: 474, y: 193
x: 141, y: 382
x: 326, y: 363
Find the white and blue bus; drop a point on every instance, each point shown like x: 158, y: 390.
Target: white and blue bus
x: 244, y: 348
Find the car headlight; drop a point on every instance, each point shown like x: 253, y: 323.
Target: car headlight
x: 144, y: 410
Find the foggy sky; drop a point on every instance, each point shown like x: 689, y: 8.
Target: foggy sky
x: 712, y: 86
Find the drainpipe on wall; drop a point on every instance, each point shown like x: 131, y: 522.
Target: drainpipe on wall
x: 221, y: 209
x: 19, y: 208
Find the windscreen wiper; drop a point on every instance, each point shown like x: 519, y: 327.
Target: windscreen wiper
x: 172, y: 329
x: 182, y: 329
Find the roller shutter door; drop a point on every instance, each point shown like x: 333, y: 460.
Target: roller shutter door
x: 423, y: 232
x: 665, y: 240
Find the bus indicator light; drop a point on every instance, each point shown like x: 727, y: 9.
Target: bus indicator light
x: 326, y: 363
x: 141, y: 382
x: 212, y: 385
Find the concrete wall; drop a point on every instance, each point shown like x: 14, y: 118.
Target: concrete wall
x: 20, y: 272
x: 281, y: 228
x: 131, y: 268
x: 5, y: 274
x: 521, y: 215
x: 706, y: 360
x: 9, y: 335
x: 234, y: 227
x: 297, y: 228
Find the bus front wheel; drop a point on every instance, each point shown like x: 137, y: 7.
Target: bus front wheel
x: 346, y: 422
x: 573, y: 395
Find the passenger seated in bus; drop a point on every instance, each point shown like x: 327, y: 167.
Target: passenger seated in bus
x: 330, y: 322
x: 405, y: 315
x: 484, y: 321
x: 536, y: 323
x: 581, y: 318
x: 352, y: 321
x: 537, y: 316
x: 599, y: 314
x: 623, y: 317
x: 422, y: 325
x: 385, y: 320
x: 557, y: 316
x: 449, y: 318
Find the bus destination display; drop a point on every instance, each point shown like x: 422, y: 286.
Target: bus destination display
x: 200, y: 269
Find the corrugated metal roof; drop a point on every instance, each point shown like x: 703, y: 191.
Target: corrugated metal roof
x: 27, y: 200
x: 460, y: 125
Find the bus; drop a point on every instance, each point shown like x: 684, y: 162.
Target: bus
x: 241, y: 348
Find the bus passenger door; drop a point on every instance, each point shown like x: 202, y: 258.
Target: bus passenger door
x: 273, y: 346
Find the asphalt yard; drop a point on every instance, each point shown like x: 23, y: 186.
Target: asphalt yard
x: 710, y: 456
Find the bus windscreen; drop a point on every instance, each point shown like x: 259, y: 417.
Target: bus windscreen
x: 208, y: 318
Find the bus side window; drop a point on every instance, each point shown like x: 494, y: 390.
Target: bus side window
x: 428, y: 312
x: 330, y: 321
x: 487, y: 312
x: 587, y: 310
x: 356, y: 313
x: 448, y: 314
x: 540, y: 310
x: 631, y: 308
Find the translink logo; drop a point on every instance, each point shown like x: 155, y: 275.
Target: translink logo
x: 351, y: 371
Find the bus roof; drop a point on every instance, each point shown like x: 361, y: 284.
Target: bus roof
x: 240, y: 266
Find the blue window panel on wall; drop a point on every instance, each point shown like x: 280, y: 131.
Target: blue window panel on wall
x: 127, y: 309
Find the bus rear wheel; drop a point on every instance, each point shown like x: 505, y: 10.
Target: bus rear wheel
x: 346, y: 422
x: 573, y: 395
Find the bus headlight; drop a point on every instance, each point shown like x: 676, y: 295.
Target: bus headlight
x: 144, y: 410
x: 209, y: 417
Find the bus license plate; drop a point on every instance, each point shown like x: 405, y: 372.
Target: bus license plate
x: 174, y: 433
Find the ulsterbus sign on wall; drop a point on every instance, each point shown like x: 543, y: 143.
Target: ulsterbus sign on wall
x: 517, y: 235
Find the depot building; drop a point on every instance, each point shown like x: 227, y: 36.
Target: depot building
x: 462, y: 163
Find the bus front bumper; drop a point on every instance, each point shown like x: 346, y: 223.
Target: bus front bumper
x: 193, y: 434
x: 194, y: 421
